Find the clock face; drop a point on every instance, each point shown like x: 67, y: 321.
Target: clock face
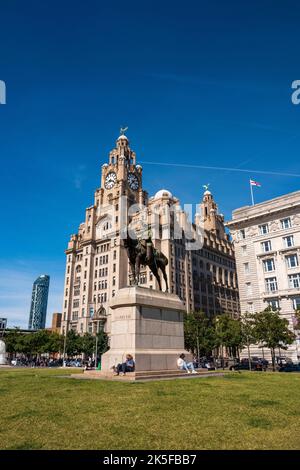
x: 110, y: 180
x: 133, y: 181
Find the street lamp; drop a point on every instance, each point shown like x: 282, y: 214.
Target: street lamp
x: 65, y: 344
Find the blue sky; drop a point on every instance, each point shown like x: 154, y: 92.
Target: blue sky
x: 201, y: 83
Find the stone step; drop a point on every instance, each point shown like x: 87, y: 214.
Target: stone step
x: 143, y: 375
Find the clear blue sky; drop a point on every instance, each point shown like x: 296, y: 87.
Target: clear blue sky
x: 197, y: 82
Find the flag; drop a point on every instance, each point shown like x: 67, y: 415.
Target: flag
x: 255, y: 183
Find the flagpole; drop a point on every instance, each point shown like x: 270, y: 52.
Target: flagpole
x: 251, y: 190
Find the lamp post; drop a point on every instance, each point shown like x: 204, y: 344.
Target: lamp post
x: 96, y: 348
x: 65, y: 344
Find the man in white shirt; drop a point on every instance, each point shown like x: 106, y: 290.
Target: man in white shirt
x: 183, y: 365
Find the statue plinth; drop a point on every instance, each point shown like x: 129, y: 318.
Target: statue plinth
x: 2, y: 353
x: 147, y: 324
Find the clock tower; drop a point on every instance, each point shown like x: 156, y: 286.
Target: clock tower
x: 121, y: 176
x: 97, y: 263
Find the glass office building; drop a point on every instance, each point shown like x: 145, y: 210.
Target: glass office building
x: 39, y: 300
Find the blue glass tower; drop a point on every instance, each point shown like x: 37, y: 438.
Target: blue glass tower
x: 39, y: 300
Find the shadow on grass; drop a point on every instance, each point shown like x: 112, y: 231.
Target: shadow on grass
x: 259, y: 422
x: 26, y: 445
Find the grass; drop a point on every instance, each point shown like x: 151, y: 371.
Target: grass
x: 40, y: 410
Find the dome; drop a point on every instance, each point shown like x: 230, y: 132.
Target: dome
x: 122, y: 136
x: 207, y: 193
x: 138, y: 167
x: 105, y: 165
x: 163, y: 193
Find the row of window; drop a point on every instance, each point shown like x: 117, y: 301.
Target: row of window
x: 269, y: 264
x: 288, y: 243
x: 275, y: 304
x: 102, y: 260
x: 285, y: 223
x: 271, y: 284
x: 102, y: 284
x: 102, y: 272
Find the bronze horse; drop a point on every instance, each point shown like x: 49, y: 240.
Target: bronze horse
x: 142, y: 252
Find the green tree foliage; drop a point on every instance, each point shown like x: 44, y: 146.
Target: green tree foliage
x: 248, y: 332
x: 228, y: 333
x: 297, y: 320
x: 44, y: 341
x: 102, y: 345
x: 272, y: 331
x: 73, y: 346
x: 199, y: 334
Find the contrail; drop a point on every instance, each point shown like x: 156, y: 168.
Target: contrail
x: 221, y: 168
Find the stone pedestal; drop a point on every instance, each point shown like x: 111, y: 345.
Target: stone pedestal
x: 147, y: 324
x: 2, y: 353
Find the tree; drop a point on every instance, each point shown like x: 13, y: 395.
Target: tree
x: 87, y: 344
x: 297, y: 319
x: 228, y: 334
x: 73, y: 345
x: 272, y: 331
x: 102, y: 344
x: 14, y: 341
x: 199, y: 334
x: 248, y: 332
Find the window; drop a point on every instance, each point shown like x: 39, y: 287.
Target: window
x: 269, y: 265
x: 242, y: 234
x: 266, y: 246
x: 263, y: 229
x: 294, y: 281
x: 274, y: 304
x: 75, y: 315
x: 244, y: 250
x: 248, y: 288
x: 250, y: 308
x: 271, y: 284
x: 82, y: 312
x: 288, y: 241
x: 246, y: 268
x: 286, y: 223
x: 296, y: 303
x: 292, y: 261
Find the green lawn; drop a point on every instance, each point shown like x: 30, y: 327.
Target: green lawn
x: 238, y: 411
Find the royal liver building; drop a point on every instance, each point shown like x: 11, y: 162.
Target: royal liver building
x: 201, y: 268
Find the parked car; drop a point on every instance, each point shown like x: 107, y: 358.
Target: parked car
x: 244, y: 365
x: 283, y: 360
x: 290, y: 368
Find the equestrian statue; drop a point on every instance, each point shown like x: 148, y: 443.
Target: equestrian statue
x: 142, y: 252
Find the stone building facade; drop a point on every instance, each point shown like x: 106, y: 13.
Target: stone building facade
x: 203, y: 275
x: 267, y: 246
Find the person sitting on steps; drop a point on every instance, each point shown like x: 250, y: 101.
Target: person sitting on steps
x: 127, y: 366
x: 183, y: 365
